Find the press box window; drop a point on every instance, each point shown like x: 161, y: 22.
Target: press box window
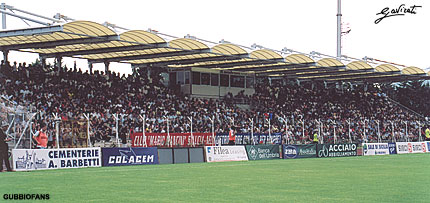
x: 172, y: 78
x: 224, y: 80
x: 180, y: 78
x: 237, y: 81
x: 196, y: 78
x: 214, y: 79
x: 249, y: 82
x: 206, y: 79
x: 187, y: 78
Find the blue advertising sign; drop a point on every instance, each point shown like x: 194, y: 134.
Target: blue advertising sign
x: 392, y: 148
x: 290, y: 151
x: 129, y: 156
x: 428, y: 146
x: 299, y: 151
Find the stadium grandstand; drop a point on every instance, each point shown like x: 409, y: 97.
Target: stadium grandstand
x: 186, y: 85
x: 290, y: 124
x: 261, y: 91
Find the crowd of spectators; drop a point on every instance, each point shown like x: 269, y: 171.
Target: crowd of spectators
x: 353, y: 111
x: 71, y: 94
x: 411, y: 94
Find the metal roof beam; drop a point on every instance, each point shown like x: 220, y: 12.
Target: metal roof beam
x: 103, y: 50
x: 331, y: 73
x: 24, y: 18
x: 396, y: 78
x: 367, y: 78
x: 190, y: 61
x: 237, y: 63
x: 275, y: 66
x: 293, y: 72
x: 32, y: 31
x: 344, y: 76
x: 393, y: 78
x: 53, y: 44
x: 145, y: 56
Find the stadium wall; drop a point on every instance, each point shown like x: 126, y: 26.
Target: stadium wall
x: 180, y: 155
x: 41, y: 159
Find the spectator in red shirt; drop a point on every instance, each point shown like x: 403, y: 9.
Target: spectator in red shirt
x: 41, y: 137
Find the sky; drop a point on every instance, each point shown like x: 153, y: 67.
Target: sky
x: 304, y: 26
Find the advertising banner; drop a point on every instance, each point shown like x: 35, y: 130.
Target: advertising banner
x: 175, y: 139
x: 375, y: 149
x: 40, y: 159
x: 246, y: 138
x: 225, y: 153
x: 411, y: 147
x: 299, y: 151
x: 402, y: 148
x: 392, y: 148
x: 129, y: 156
x: 240, y: 139
x: 260, y: 152
x: 337, y: 150
x: 418, y: 147
x: 428, y: 146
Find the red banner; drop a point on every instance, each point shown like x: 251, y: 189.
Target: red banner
x: 175, y: 139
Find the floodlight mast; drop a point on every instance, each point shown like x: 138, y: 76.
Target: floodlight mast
x: 339, y: 29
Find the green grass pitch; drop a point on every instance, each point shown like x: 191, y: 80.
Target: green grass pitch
x: 390, y: 178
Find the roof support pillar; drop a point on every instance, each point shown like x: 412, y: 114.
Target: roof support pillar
x: 58, y: 60
x: 133, y: 68
x: 42, y: 61
x: 3, y: 16
x: 106, y: 67
x: 5, y: 55
x: 90, y: 67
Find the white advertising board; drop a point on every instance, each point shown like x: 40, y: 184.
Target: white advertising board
x: 225, y: 153
x: 375, y: 149
x: 40, y: 159
x: 411, y: 147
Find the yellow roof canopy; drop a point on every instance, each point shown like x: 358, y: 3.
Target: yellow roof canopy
x: 98, y: 43
x: 265, y: 54
x: 386, y: 68
x: 330, y: 62
x: 358, y: 65
x: 228, y: 49
x: 76, y: 32
x: 298, y: 59
x: 130, y: 40
x: 412, y: 70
